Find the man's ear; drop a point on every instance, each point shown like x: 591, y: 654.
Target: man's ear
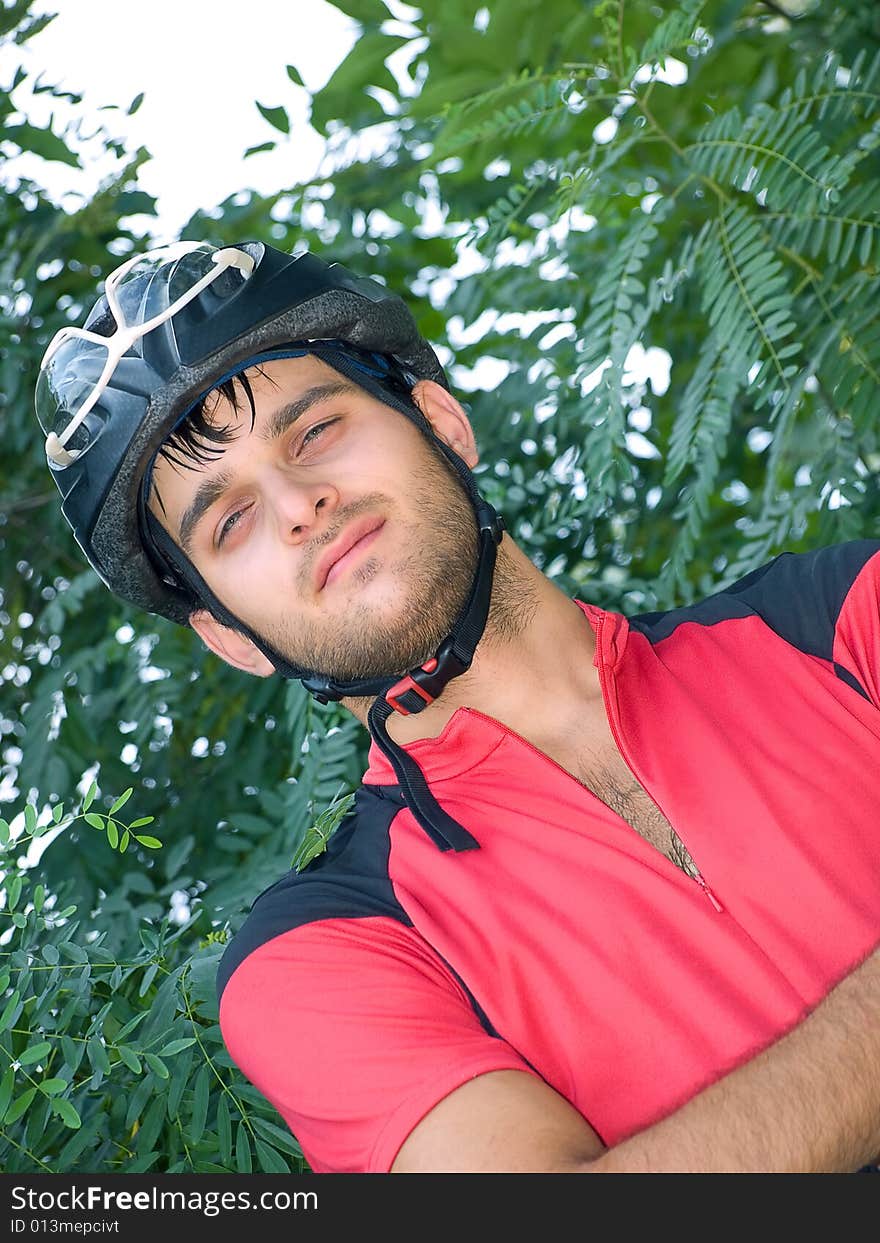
x: 448, y: 419
x: 236, y: 649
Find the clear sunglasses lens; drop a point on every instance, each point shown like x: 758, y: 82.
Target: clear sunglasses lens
x: 64, y: 384
x: 162, y: 278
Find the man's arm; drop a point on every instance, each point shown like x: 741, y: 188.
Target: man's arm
x: 809, y: 1103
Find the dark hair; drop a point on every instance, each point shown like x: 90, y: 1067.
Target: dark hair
x: 197, y: 441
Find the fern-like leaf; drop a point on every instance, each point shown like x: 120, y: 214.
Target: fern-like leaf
x: 316, y: 838
x: 848, y: 231
x: 762, y: 538
x: 531, y: 103
x: 502, y: 214
x: 850, y: 372
x: 833, y: 92
x: 781, y: 161
x: 620, y: 308
x: 748, y: 302
x: 699, y: 438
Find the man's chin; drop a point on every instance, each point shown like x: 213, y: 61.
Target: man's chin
x: 405, y: 638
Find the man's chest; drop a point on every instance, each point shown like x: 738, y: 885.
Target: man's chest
x: 618, y: 789
x: 595, y: 762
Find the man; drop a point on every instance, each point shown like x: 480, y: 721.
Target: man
x: 609, y: 897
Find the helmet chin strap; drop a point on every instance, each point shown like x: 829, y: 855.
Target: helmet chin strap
x: 406, y: 695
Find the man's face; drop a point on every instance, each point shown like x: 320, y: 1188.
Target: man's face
x: 330, y: 527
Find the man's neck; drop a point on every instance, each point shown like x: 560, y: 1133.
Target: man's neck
x: 533, y: 668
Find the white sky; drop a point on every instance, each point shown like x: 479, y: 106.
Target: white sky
x: 201, y: 66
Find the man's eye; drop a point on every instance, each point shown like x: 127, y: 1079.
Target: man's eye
x: 314, y: 432
x: 228, y: 525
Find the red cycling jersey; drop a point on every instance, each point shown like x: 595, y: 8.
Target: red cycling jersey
x: 361, y: 991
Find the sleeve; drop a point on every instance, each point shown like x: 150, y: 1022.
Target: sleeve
x: 857, y: 632
x: 354, y: 1029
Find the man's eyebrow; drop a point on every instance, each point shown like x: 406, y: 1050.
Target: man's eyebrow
x: 278, y: 423
x: 281, y: 419
x: 208, y: 492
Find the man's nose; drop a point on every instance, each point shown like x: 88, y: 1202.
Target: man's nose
x: 302, y: 507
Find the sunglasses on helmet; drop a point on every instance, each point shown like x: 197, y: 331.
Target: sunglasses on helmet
x: 142, y: 293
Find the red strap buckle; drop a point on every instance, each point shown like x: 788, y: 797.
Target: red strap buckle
x: 410, y: 684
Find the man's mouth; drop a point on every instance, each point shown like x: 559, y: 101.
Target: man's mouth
x: 346, y: 549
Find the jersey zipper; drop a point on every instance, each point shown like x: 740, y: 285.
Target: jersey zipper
x: 686, y: 862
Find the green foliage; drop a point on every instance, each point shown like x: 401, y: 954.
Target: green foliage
x: 110, y: 1054
x: 557, y: 199
x: 316, y: 838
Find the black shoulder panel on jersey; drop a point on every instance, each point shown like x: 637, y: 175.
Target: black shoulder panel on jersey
x: 798, y: 595
x: 348, y: 881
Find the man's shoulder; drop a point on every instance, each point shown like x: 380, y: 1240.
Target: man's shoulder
x: 348, y: 880
x: 799, y: 595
